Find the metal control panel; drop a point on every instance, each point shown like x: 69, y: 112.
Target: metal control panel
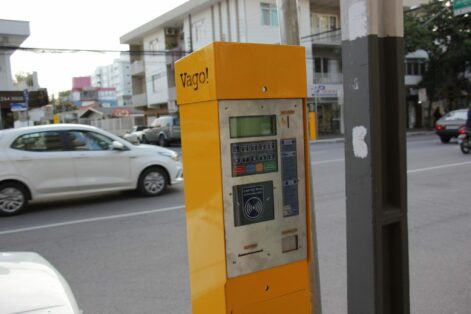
x: 251, y: 158
x: 262, y: 156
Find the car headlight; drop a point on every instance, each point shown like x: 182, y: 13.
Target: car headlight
x: 170, y: 154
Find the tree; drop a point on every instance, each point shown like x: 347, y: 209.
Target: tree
x: 447, y: 40
x: 23, y: 77
x: 63, y: 103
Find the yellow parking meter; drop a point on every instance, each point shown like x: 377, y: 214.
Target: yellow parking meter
x: 246, y: 160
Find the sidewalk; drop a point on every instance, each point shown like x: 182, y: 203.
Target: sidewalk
x: 328, y: 139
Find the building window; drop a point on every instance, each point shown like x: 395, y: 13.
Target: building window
x: 155, y: 84
x: 154, y: 45
x: 324, y: 23
x: 269, y: 14
x: 321, y: 65
x: 198, y: 30
x: 415, y: 67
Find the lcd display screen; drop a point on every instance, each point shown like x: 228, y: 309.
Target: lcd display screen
x: 252, y: 126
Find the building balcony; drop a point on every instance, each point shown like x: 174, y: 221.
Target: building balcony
x: 139, y: 100
x: 328, y: 78
x: 138, y: 68
x: 327, y: 38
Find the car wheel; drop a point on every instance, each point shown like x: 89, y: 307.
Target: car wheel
x: 465, y: 146
x: 162, y: 141
x: 445, y: 139
x: 152, y: 182
x: 13, y: 199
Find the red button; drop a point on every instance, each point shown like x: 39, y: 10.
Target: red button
x: 239, y: 170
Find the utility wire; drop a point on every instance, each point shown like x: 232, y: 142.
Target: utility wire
x: 67, y: 50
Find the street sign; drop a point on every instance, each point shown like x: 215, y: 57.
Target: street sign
x: 26, y: 95
x: 461, y: 7
x: 18, y: 106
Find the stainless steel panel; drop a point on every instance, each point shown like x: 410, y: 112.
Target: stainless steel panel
x: 258, y: 246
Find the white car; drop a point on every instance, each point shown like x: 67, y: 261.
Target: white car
x: 135, y: 134
x: 60, y: 160
x: 30, y: 284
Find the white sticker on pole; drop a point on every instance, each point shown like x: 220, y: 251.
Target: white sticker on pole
x: 357, y: 20
x: 360, y: 148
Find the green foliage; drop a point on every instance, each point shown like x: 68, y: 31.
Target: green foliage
x: 447, y: 40
x: 27, y: 78
x: 63, y: 103
x: 416, y: 35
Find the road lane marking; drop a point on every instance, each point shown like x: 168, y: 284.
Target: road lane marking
x: 147, y: 212
x: 439, y: 167
x: 79, y: 221
x: 326, y: 161
x: 409, y: 171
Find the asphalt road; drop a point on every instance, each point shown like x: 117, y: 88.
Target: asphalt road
x: 122, y: 253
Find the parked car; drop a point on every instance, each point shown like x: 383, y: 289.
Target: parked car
x: 163, y: 131
x: 60, y: 160
x: 449, y: 125
x: 30, y: 284
x: 135, y: 134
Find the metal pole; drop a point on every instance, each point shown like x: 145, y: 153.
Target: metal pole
x: 1, y: 118
x: 288, y: 20
x: 375, y: 157
x: 289, y: 32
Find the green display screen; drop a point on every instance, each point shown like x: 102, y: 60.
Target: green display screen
x: 252, y: 126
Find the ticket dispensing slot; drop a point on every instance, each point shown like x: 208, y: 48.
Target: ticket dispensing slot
x: 263, y: 166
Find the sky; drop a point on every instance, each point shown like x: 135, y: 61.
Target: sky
x: 84, y: 24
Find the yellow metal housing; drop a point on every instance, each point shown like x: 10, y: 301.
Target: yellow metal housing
x: 224, y: 71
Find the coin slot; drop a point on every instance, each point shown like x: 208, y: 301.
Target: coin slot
x: 250, y: 253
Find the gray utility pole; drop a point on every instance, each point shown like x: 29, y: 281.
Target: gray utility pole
x: 289, y: 31
x: 375, y: 157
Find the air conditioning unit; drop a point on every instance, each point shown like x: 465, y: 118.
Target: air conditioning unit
x: 170, y: 31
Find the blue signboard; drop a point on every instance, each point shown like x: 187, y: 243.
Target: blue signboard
x: 18, y: 106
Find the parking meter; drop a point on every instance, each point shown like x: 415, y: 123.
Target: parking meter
x: 246, y: 159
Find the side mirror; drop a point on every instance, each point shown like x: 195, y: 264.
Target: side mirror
x: 118, y: 146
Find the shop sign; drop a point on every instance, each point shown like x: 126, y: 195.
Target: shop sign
x: 18, y: 106
x: 461, y: 7
x: 326, y: 90
x: 120, y: 112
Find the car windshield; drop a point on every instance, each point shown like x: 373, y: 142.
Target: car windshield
x: 456, y: 115
x: 140, y: 128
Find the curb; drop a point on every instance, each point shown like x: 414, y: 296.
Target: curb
x: 342, y: 139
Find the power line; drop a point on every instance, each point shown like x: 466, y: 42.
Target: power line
x: 70, y: 50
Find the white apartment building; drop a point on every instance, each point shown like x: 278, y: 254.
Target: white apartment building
x: 193, y: 25
x: 156, y: 45
x: 117, y: 75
